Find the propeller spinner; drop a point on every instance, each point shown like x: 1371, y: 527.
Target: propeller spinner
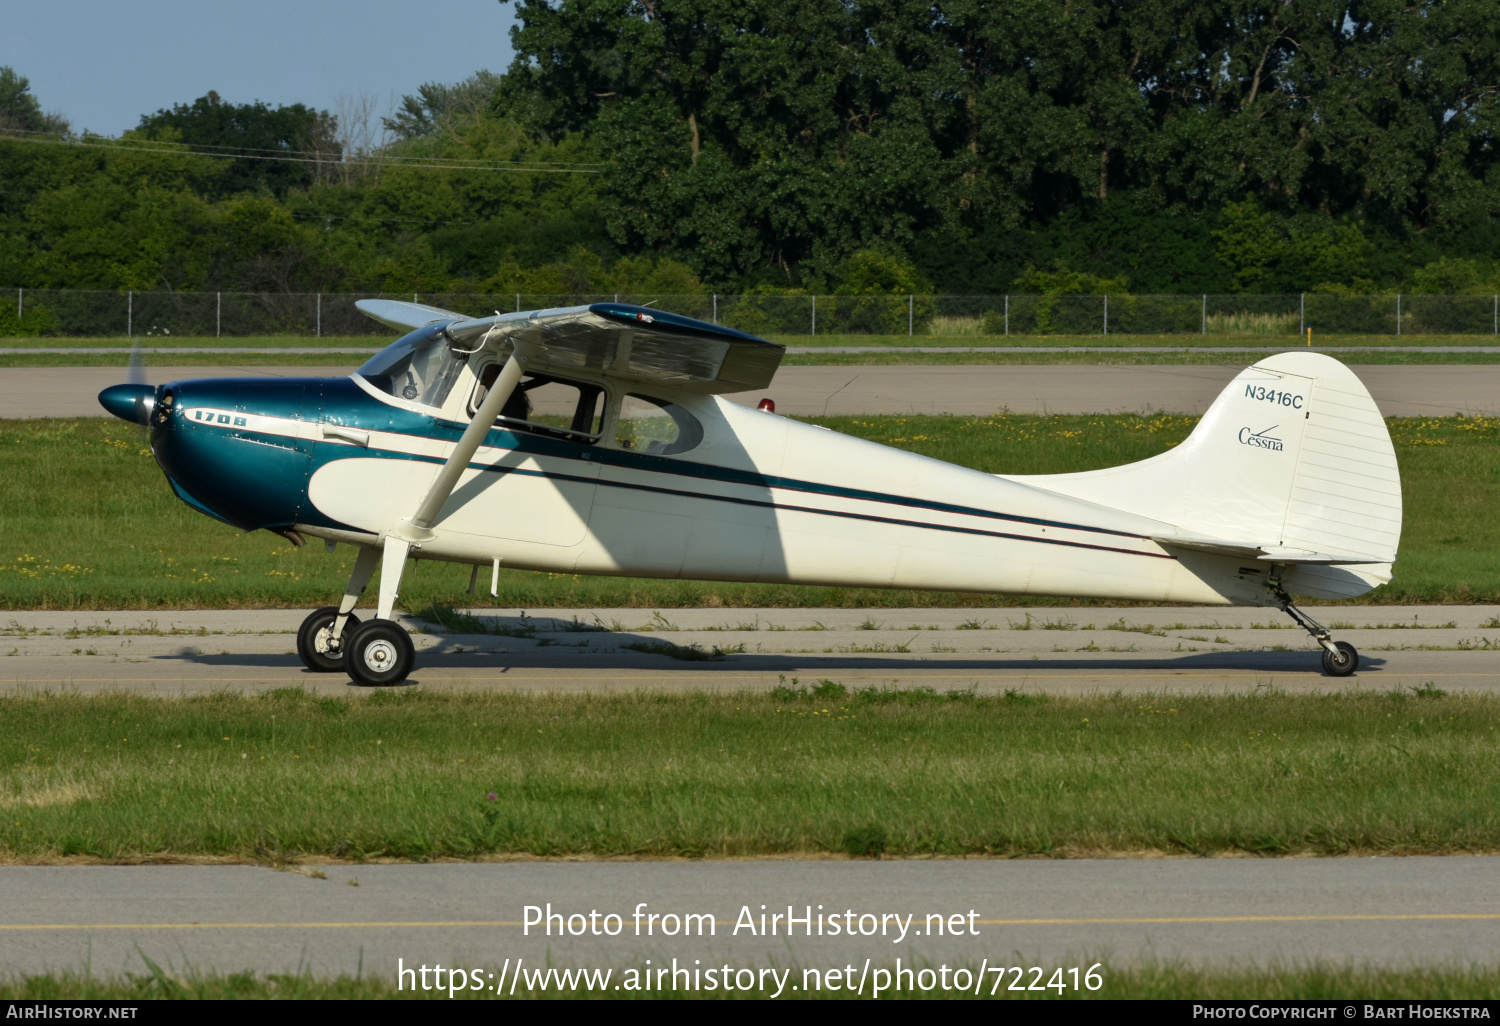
x: 134, y: 400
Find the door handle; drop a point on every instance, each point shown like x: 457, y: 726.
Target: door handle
x: 344, y: 434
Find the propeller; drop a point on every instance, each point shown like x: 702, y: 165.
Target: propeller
x: 133, y: 400
x: 137, y: 375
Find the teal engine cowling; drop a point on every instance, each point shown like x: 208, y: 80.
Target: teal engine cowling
x: 204, y: 436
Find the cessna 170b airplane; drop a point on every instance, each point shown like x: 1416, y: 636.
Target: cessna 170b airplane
x: 595, y: 439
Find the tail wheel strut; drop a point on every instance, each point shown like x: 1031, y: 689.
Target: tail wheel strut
x: 1340, y: 659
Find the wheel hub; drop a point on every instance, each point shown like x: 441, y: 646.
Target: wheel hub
x: 380, y: 655
x: 326, y: 643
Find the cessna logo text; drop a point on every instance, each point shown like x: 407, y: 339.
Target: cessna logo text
x: 1261, y: 439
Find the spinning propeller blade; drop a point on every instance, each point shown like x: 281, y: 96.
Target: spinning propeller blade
x: 137, y: 374
x: 133, y: 400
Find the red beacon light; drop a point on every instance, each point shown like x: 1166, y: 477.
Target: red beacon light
x: 767, y: 406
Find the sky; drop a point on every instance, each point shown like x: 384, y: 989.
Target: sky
x: 104, y: 63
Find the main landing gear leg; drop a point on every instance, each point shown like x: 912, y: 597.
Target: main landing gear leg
x: 1340, y: 659
x: 323, y: 635
x: 380, y: 652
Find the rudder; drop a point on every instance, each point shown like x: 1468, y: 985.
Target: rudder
x: 1292, y: 457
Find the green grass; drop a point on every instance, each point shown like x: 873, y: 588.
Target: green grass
x: 808, y: 769
x: 188, y: 341
x: 1100, y: 341
x: 418, y: 775
x: 87, y: 522
x: 348, y: 361
x: 1183, y: 340
x: 1161, y: 981
x: 1100, y: 357
x: 1111, y: 350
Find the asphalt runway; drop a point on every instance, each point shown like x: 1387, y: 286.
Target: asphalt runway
x: 1438, y: 390
x: 1045, y: 913
x: 1183, y: 650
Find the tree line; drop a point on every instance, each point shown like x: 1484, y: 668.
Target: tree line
x: 957, y: 146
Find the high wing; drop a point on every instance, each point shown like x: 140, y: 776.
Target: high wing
x: 404, y: 316
x: 618, y: 339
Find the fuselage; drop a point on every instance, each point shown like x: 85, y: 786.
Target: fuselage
x: 736, y: 495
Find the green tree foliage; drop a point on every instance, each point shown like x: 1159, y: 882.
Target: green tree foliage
x: 885, y: 285
x: 1273, y: 252
x: 444, y: 108
x: 299, y: 136
x: 583, y: 272
x: 761, y: 138
x: 20, y: 111
x: 1178, y: 145
x: 870, y: 273
x: 1064, y: 281
x: 1455, y: 276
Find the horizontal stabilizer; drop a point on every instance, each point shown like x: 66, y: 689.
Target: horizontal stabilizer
x: 1270, y: 553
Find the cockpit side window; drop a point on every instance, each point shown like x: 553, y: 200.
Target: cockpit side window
x: 420, y: 368
x: 544, y: 405
x: 656, y: 427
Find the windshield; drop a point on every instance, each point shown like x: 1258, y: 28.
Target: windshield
x: 419, y: 368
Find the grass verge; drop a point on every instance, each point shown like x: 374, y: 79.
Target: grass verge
x: 1095, y: 357
x: 1183, y: 340
x: 1115, y: 349
x: 803, y: 770
x: 87, y: 522
x: 342, y: 363
x: 1191, y: 340
x: 1160, y: 981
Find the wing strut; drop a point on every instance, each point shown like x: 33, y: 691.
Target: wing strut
x: 417, y: 528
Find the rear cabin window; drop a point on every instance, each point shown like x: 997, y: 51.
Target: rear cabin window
x: 656, y: 427
x: 544, y: 405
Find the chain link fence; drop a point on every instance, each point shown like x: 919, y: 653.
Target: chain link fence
x: 200, y: 315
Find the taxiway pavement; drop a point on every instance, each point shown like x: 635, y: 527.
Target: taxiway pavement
x: 1065, y: 650
x: 1045, y: 913
x: 1436, y: 390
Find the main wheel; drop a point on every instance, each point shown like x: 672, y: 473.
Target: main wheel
x: 316, y: 646
x: 1343, y: 664
x: 378, y: 654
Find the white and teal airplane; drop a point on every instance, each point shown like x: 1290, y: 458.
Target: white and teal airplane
x: 595, y: 440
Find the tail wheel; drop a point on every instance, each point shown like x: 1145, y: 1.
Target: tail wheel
x: 1342, y: 664
x: 319, y: 651
x: 379, y: 654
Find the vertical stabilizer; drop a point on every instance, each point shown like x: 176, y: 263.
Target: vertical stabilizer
x: 1293, y: 457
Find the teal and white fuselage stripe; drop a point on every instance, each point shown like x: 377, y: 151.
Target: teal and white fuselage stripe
x: 595, y: 440
x: 752, y: 496
x: 761, y: 498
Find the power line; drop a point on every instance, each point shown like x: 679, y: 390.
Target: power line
x: 247, y: 151
x: 16, y: 136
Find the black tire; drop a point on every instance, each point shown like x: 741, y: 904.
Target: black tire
x: 379, y: 654
x: 1343, y: 664
x: 314, y: 640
